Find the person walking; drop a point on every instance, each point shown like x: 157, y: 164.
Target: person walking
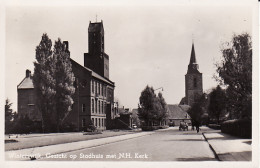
x: 197, y: 127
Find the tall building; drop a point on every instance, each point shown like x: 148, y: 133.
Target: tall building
x: 193, y: 80
x: 94, y: 92
x: 96, y: 59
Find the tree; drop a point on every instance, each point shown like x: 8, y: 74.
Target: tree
x: 235, y: 72
x: 44, y: 83
x: 217, y: 104
x: 53, y: 82
x: 198, y: 111
x: 151, y: 108
x: 64, y: 82
x: 10, y: 116
x: 163, y: 112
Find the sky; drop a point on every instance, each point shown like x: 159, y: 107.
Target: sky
x: 147, y: 44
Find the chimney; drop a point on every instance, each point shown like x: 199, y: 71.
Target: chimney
x: 28, y: 73
x: 66, y: 45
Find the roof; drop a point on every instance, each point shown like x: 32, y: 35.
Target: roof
x: 193, y: 66
x: 177, y: 111
x: 26, y: 83
x: 94, y: 74
x: 184, y: 107
x: 193, y: 56
x: 95, y: 27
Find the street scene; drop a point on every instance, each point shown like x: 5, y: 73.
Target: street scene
x: 132, y: 83
x: 164, y: 145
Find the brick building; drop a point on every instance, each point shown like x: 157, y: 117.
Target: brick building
x: 27, y: 98
x: 94, y: 92
x: 193, y: 81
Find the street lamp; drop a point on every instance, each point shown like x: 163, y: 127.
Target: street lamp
x: 159, y: 88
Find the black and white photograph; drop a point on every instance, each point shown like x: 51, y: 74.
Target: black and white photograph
x: 130, y: 83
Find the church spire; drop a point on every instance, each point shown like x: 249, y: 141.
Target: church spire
x: 193, y: 56
x: 193, y: 66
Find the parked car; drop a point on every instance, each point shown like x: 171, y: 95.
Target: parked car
x: 134, y: 126
x: 171, y: 124
x: 183, y: 126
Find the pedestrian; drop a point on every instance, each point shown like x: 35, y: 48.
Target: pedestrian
x: 197, y: 127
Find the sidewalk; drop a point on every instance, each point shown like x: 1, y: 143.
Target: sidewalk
x: 227, y: 147
x: 39, y: 140
x: 52, y: 150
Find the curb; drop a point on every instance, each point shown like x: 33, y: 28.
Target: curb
x: 215, y: 153
x: 33, y: 153
x: 94, y: 146
x: 67, y: 142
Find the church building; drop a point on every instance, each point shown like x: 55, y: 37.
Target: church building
x: 193, y: 81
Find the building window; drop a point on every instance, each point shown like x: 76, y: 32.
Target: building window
x: 99, y: 106
x: 101, y: 88
x: 95, y: 87
x: 195, y: 82
x: 99, y: 122
x: 92, y: 86
x: 30, y: 99
x: 102, y: 107
x: 105, y: 91
x: 98, y: 88
x: 92, y: 105
x: 83, y: 122
x: 83, y: 108
x: 92, y: 119
x: 96, y: 106
x: 96, y: 122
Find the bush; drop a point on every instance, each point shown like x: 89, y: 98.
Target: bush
x: 163, y: 127
x: 150, y: 128
x: 240, y: 127
x: 214, y: 126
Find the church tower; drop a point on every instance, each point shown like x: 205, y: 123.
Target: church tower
x: 96, y: 59
x: 193, y: 80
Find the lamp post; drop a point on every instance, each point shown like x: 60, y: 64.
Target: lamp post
x: 159, y: 88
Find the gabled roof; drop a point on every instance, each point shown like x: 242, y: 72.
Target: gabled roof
x: 94, y: 74
x: 26, y: 83
x: 177, y: 111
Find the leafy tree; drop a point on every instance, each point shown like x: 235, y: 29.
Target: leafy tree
x: 53, y: 82
x: 44, y: 83
x: 198, y: 111
x: 10, y: 116
x: 217, y: 103
x: 64, y: 82
x: 235, y: 72
x: 151, y: 108
x: 163, y: 112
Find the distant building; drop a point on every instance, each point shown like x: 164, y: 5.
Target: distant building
x: 193, y: 81
x: 94, y: 92
x: 178, y: 113
x: 27, y: 98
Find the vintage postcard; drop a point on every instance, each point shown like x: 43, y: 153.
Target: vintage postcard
x: 130, y: 83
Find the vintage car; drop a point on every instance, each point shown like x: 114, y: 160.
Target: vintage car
x: 183, y: 126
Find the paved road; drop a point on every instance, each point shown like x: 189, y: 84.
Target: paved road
x: 169, y: 145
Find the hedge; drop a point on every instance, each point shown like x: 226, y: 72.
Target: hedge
x: 240, y: 127
x: 150, y: 128
x: 214, y: 126
x: 163, y: 127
